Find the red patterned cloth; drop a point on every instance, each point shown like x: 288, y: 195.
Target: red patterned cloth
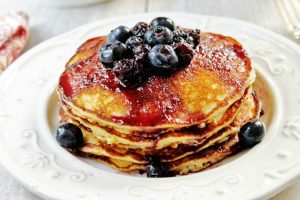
x: 14, y: 32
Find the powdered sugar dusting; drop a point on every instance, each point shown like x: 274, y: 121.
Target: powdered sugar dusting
x: 225, y: 57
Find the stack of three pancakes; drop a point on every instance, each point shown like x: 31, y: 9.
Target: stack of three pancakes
x: 188, y: 120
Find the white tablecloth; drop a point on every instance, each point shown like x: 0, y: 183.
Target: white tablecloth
x: 47, y: 22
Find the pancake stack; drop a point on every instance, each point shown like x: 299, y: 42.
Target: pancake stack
x: 188, y: 121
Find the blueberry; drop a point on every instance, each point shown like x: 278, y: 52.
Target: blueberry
x: 251, y: 133
x: 133, y: 41
x: 153, y: 171
x: 182, y: 36
x: 163, y: 21
x: 190, y: 37
x: 121, y: 33
x: 184, y: 52
x: 140, y: 29
x: 69, y: 136
x: 140, y: 53
x: 112, y: 52
x: 128, y: 72
x: 158, y: 35
x: 195, y: 34
x: 155, y: 168
x: 163, y: 57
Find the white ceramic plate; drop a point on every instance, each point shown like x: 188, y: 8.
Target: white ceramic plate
x: 28, y: 110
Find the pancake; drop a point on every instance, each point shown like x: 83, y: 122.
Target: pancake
x: 189, y: 120
x: 248, y: 111
x: 220, y: 70
x: 193, y: 163
x: 160, y: 139
x: 208, y: 155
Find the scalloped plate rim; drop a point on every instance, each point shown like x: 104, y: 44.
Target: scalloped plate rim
x: 286, y: 41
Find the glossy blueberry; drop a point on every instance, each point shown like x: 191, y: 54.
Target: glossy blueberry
x: 128, y: 72
x: 112, y: 52
x: 163, y: 21
x: 155, y: 168
x: 251, y: 133
x: 153, y: 171
x: 69, y: 136
x: 184, y: 52
x: 163, y: 57
x: 133, y: 41
x: 140, y: 29
x: 121, y: 33
x: 158, y: 35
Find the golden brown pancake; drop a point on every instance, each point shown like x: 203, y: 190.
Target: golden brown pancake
x: 160, y: 139
x: 100, y: 150
x: 190, y: 119
x: 217, y: 77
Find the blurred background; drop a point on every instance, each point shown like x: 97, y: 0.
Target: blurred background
x: 49, y: 18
